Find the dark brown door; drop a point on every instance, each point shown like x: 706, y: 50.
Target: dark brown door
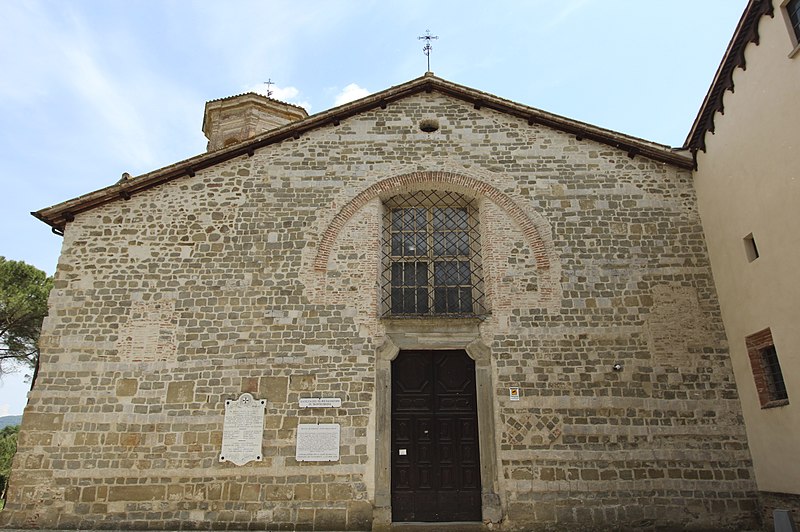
x: 435, y: 459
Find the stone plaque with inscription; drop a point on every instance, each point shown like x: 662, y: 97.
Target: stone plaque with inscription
x: 243, y: 430
x: 320, y: 402
x: 318, y: 443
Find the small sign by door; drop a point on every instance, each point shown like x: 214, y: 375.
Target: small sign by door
x: 513, y: 393
x: 320, y: 402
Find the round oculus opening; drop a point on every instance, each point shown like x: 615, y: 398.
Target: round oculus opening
x: 429, y: 125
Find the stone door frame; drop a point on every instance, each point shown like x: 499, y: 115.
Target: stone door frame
x: 434, y: 334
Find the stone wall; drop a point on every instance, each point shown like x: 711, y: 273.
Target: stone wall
x: 261, y: 276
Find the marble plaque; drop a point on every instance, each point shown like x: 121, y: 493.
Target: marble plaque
x: 318, y: 443
x: 320, y: 402
x: 243, y: 430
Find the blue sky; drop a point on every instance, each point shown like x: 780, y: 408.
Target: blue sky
x: 91, y: 89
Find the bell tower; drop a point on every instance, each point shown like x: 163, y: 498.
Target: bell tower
x: 231, y: 120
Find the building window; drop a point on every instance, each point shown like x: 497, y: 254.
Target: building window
x: 766, y: 370
x: 750, y: 248
x: 793, y: 18
x: 432, y: 256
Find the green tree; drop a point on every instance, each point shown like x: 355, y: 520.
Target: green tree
x: 8, y: 446
x: 23, y: 306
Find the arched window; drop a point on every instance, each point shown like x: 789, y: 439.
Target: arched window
x: 432, y: 258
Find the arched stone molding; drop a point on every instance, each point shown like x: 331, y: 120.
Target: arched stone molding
x: 535, y: 228
x: 412, y: 181
x: 427, y: 335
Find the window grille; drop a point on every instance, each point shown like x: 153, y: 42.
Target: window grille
x: 432, y: 259
x: 773, y: 374
x: 767, y: 372
x: 793, y: 10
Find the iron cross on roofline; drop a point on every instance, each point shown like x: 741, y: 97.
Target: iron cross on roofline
x: 427, y: 48
x: 269, y: 84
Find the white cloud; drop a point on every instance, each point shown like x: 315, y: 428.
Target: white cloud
x: 284, y: 93
x: 3, y: 410
x: 96, y: 91
x: 350, y: 93
x: 267, y: 53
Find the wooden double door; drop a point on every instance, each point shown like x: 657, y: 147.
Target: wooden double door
x: 435, y: 455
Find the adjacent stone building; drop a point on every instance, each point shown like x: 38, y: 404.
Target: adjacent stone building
x: 515, y: 309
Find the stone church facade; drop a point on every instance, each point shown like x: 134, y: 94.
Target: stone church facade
x: 515, y: 309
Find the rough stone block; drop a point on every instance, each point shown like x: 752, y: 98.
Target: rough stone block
x: 279, y: 492
x: 340, y: 492
x: 274, y: 389
x: 127, y: 387
x: 130, y: 439
x: 318, y: 492
x: 180, y: 392
x: 250, y: 385
x: 88, y: 494
x: 330, y: 519
x: 359, y: 515
x: 521, y: 514
x: 41, y: 421
x: 305, y: 516
x: 136, y: 493
x: 544, y: 512
x: 302, y: 383
x: 251, y: 492
x: 302, y: 492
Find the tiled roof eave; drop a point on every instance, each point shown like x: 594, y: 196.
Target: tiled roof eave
x: 746, y: 32
x: 226, y: 98
x: 59, y: 215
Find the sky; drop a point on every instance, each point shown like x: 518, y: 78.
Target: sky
x: 90, y: 89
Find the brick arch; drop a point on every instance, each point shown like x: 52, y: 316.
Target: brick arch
x: 413, y: 180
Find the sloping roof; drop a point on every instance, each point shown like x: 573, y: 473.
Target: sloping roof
x: 59, y: 215
x: 746, y: 32
x: 255, y: 94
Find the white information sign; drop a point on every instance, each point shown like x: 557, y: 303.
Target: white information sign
x: 513, y: 393
x: 318, y: 443
x: 243, y: 430
x: 320, y: 402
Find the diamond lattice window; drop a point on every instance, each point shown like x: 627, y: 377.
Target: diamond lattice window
x: 432, y: 256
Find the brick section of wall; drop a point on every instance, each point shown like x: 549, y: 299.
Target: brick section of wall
x: 189, y: 294
x: 755, y: 344
x: 771, y: 501
x: 432, y: 180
